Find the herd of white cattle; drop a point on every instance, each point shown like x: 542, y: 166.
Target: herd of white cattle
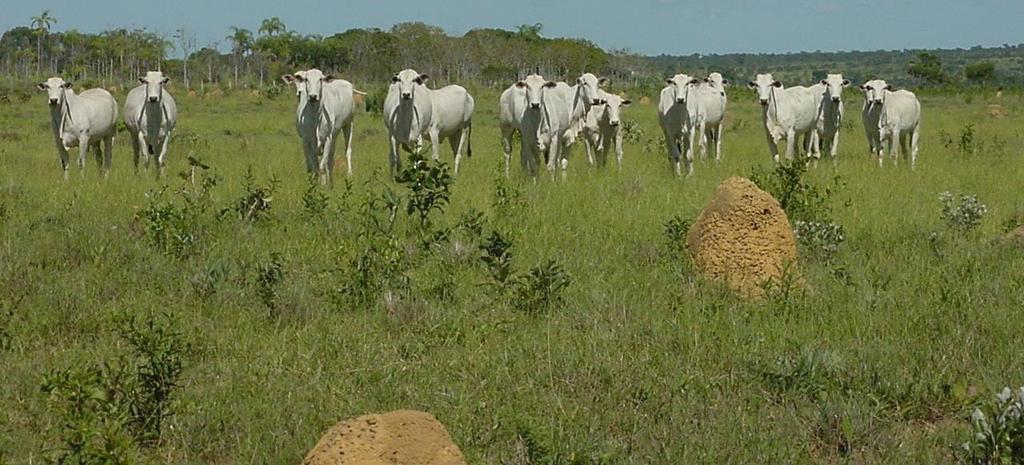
x: 549, y: 117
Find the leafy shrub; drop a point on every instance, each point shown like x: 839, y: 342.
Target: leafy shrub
x: 537, y: 290
x: 314, y: 199
x: 675, y: 230
x: 268, y: 275
x: 206, y: 281
x: 160, y: 351
x: 175, y: 226
x: 632, y: 132
x: 801, y: 199
x: 507, y: 197
x: 497, y: 256
x: 997, y: 431
x: 429, y: 186
x: 254, y: 205
x: 820, y: 240
x: 961, y: 212
x: 93, y: 419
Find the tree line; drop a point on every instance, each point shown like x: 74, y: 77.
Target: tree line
x: 256, y: 58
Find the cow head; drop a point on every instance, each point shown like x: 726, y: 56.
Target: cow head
x: 764, y: 83
x: 680, y: 84
x: 590, y: 88
x: 834, y: 84
x: 407, y: 81
x: 873, y: 90
x: 534, y: 85
x: 155, y: 82
x: 55, y: 89
x: 310, y: 82
x: 613, y: 105
x: 716, y: 81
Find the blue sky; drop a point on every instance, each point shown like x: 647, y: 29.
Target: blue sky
x: 645, y: 26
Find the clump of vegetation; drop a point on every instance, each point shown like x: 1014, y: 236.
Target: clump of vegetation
x: 314, y: 200
x: 254, y: 205
x: 821, y: 240
x: 496, y: 254
x: 174, y: 226
x: 675, y: 230
x: 539, y: 289
x: 429, y: 185
x: 962, y: 212
x: 269, y: 275
x: 507, y: 196
x: 801, y: 199
x: 997, y: 431
x: 106, y: 411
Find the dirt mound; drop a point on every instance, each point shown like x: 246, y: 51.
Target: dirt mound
x: 402, y: 437
x: 742, y: 238
x: 996, y: 111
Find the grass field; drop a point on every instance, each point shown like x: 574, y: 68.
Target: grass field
x: 880, y: 360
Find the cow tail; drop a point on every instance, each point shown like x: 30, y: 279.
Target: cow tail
x: 469, y: 141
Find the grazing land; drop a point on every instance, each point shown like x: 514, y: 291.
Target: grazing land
x: 293, y: 306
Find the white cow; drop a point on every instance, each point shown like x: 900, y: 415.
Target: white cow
x: 512, y: 105
x: 830, y: 112
x: 787, y: 114
x: 326, y: 107
x: 545, y: 123
x: 872, y: 111
x: 899, y: 123
x: 150, y: 114
x: 81, y: 121
x: 408, y: 111
x: 452, y: 120
x: 676, y: 111
x: 579, y: 98
x: 709, y: 104
x: 601, y: 128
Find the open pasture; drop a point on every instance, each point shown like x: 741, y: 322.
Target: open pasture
x: 301, y: 315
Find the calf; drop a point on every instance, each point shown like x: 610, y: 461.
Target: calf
x: 787, y: 114
x: 601, y: 128
x: 871, y: 112
x: 899, y: 123
x: 710, y: 102
x: 830, y: 112
x: 544, y: 124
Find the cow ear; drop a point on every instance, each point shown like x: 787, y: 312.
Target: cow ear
x: 694, y: 81
x: 142, y: 80
x: 550, y: 84
x: 329, y: 78
x: 67, y: 85
x: 579, y: 81
x: 846, y: 83
x: 777, y: 84
x: 42, y: 86
x: 603, y: 81
x: 423, y: 78
x: 752, y: 85
x: 394, y: 78
x: 863, y: 87
x: 626, y: 102
x: 287, y: 78
x: 725, y: 82
x: 890, y: 88
x: 824, y: 82
x: 707, y: 80
x: 166, y: 81
x: 668, y: 81
x: 520, y: 84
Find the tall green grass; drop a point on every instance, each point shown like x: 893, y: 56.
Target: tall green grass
x: 880, y: 360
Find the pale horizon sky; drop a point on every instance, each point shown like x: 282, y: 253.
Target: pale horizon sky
x: 650, y: 27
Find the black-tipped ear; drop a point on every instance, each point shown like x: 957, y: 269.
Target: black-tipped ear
x: 777, y: 84
x: 550, y: 84
x: 694, y: 81
x: 669, y: 81
x: 166, y: 81
x: 752, y: 85
x: 67, y: 85
x: 142, y: 80
x: 846, y: 83
x: 603, y: 81
x: 890, y: 88
x: 287, y: 78
x: 579, y: 81
x: 521, y: 84
x: 42, y: 86
x: 863, y: 87
x: 423, y: 78
x: 626, y: 102
x: 725, y: 82
x: 824, y: 82
x: 394, y: 78
x: 329, y: 78
x: 707, y: 80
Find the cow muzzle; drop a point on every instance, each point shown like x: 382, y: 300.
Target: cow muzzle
x: 680, y: 100
x: 154, y: 99
x: 835, y: 99
x: 614, y: 124
x: 764, y: 102
x: 877, y: 101
x: 407, y: 96
x: 534, y: 105
x: 597, y: 101
x: 314, y: 98
x: 53, y: 101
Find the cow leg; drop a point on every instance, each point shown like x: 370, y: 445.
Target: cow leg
x: 161, y: 161
x: 835, y: 145
x: 773, y: 146
x: 83, y: 151
x: 64, y: 162
x: 136, y: 151
x: 673, y: 153
x: 309, y: 151
x: 718, y: 142
x: 790, y: 144
x: 618, y: 149
x: 349, y: 135
x: 506, y: 146
x: 587, y: 141
x: 914, y: 138
x: 894, y: 146
x: 554, y: 154
x: 327, y: 159
x: 457, y: 148
x: 435, y: 143
x: 108, y: 154
x: 702, y: 130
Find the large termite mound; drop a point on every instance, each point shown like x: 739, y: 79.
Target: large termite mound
x: 403, y: 437
x: 742, y: 238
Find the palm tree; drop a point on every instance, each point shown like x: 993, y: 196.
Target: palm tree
x: 272, y: 26
x: 42, y: 24
x: 241, y: 42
